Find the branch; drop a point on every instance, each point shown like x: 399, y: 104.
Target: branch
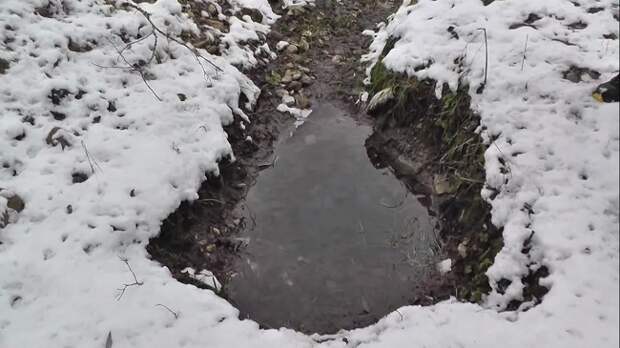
x: 125, y: 286
x: 197, y: 55
x: 176, y: 316
x: 486, y: 61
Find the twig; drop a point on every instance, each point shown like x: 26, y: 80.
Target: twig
x: 267, y: 165
x: 211, y: 200
x: 125, y: 286
x: 486, y: 61
x: 392, y: 206
x: 197, y: 55
x: 90, y: 160
x: 524, y: 52
x: 176, y: 316
x: 137, y: 67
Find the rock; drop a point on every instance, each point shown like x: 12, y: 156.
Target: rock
x: 295, y: 86
x: 4, y: 65
x: 16, y: 203
x: 306, y: 80
x: 337, y: 59
x: 462, y: 248
x: 381, y: 98
x: 281, y: 45
x: 577, y: 74
x: 216, y: 24
x: 301, y: 101
x: 212, y: 10
x: 58, y: 116
x: 294, y: 10
x: 608, y: 92
x: 57, y: 95
x: 276, y: 35
x: 406, y: 166
x: 291, y: 75
x: 255, y: 14
x: 273, y: 78
x: 288, y: 100
x: 57, y: 136
x: 298, y: 58
x: 292, y: 49
x: 303, y: 45
x: 443, y: 185
x: 75, y: 46
x: 281, y: 92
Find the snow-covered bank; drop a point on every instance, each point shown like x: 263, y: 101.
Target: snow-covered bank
x: 59, y: 262
x: 553, y: 153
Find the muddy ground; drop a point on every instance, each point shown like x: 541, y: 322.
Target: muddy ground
x: 328, y: 44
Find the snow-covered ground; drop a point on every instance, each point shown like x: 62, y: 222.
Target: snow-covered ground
x: 59, y: 259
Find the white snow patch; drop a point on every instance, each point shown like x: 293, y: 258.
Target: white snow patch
x: 444, y: 266
x: 299, y: 114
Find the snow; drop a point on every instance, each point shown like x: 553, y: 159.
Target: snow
x: 444, y: 266
x: 300, y: 114
x: 59, y: 259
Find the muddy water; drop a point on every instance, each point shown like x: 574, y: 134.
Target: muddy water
x: 333, y: 241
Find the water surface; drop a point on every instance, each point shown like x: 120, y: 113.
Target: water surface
x: 333, y: 241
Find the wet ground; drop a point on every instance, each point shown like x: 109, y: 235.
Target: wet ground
x: 333, y: 242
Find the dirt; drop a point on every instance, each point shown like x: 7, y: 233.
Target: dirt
x: 205, y: 234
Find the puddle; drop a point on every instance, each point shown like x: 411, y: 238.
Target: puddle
x: 333, y: 242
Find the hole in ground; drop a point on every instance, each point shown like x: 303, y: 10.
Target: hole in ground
x: 329, y: 241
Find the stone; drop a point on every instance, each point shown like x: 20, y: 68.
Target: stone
x: 295, y: 86
x: 288, y: 100
x: 443, y: 185
x: 462, y: 248
x: 306, y: 80
x: 57, y: 136
x: 216, y: 24
x: 281, y: 45
x: 337, y: 59
x: 4, y: 66
x: 255, y: 14
x: 301, y: 101
x: 16, y: 203
x: 292, y: 49
x: 303, y: 45
x: 291, y: 75
x: 281, y: 92
x: 212, y: 10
